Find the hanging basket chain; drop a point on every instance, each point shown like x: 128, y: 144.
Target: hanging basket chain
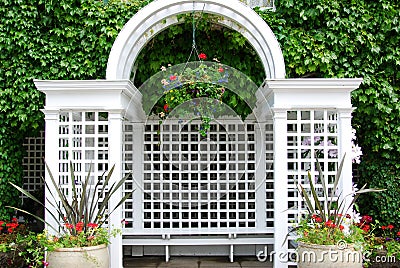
x: 194, y: 45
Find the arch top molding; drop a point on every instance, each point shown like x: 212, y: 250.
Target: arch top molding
x: 161, y: 14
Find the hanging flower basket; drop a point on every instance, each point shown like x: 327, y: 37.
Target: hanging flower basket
x: 200, y: 88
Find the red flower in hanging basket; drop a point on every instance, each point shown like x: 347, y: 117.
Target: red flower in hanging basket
x: 172, y: 77
x: 166, y: 107
x: 220, y: 69
x: 202, y: 56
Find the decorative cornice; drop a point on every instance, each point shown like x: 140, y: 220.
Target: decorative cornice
x: 311, y: 84
x: 54, y: 86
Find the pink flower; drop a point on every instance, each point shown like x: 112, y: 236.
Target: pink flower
x: 45, y: 263
x: 172, y: 77
x: 220, y: 69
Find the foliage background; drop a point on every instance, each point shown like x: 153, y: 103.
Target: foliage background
x: 71, y: 39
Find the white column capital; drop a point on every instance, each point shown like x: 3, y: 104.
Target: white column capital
x: 345, y: 113
x: 279, y: 113
x: 116, y: 114
x: 50, y: 114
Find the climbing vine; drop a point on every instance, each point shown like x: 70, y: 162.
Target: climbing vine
x: 71, y: 39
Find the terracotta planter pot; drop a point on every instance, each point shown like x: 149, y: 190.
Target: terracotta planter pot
x: 87, y: 257
x: 328, y: 256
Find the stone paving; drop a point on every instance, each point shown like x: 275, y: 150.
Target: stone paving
x: 194, y: 262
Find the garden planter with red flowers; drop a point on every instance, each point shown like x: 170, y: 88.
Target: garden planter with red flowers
x: 79, y: 240
x: 330, y: 235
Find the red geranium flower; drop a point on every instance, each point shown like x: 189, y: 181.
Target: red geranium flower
x: 92, y: 225
x: 341, y: 227
x: 172, y: 77
x: 398, y: 233
x: 366, y: 228
x: 390, y: 226
x: 383, y: 227
x: 202, y: 56
x: 79, y: 226
x: 166, y: 107
x: 220, y: 69
x: 68, y: 225
x: 366, y: 219
x: 330, y: 224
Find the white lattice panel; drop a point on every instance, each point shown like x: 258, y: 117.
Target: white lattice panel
x: 128, y: 154
x: 311, y: 134
x: 83, y: 140
x: 33, y: 163
x: 192, y: 181
x: 197, y: 183
x: 269, y: 176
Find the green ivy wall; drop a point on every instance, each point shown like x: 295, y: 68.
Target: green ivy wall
x: 71, y: 39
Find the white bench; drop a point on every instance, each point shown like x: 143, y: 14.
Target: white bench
x: 169, y: 238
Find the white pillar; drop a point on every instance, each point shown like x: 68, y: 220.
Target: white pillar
x: 260, y: 176
x: 344, y: 143
x: 51, y: 157
x: 115, y: 132
x: 280, y: 186
x: 138, y: 149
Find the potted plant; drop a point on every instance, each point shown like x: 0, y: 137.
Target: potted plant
x: 328, y: 235
x: 79, y: 239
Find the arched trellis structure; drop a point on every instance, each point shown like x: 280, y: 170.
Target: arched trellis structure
x: 101, y: 123
x: 161, y: 14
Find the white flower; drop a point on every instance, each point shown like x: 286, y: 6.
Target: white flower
x: 355, y: 189
x: 353, y: 132
x: 356, y: 217
x: 356, y: 153
x: 163, y: 68
x: 346, y: 223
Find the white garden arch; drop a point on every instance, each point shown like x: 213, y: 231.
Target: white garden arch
x: 101, y: 123
x: 161, y: 14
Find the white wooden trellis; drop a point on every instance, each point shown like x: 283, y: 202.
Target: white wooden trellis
x: 33, y: 163
x: 85, y: 136
x: 256, y: 205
